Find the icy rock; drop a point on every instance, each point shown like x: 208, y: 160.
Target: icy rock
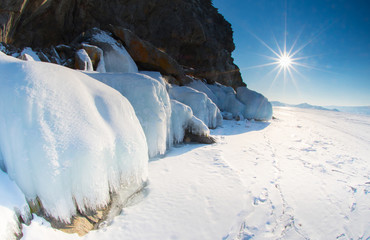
x: 116, y: 57
x: 29, y: 55
x: 227, y: 99
x: 26, y: 57
x: 67, y: 139
x: 13, y: 206
x: 256, y: 105
x: 151, y: 103
x: 83, y: 61
x: 96, y: 56
x: 227, y: 115
x: 182, y: 119
x: 202, y: 107
x: 202, y: 87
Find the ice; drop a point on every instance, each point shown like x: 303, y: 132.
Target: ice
x: 151, y: 103
x: 116, y: 58
x: 227, y: 99
x: 257, y: 106
x: 30, y: 53
x: 84, y: 58
x: 12, y: 205
x: 66, y: 138
x: 202, y: 107
x: 182, y: 118
x: 203, y: 87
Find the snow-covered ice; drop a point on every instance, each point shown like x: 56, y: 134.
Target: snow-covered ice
x: 202, y: 106
x: 66, y: 138
x: 116, y: 58
x: 151, y: 102
x: 304, y: 175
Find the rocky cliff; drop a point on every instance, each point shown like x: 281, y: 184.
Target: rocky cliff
x: 191, y: 31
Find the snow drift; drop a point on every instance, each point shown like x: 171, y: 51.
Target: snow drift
x: 66, y: 138
x: 150, y: 101
x: 202, y: 106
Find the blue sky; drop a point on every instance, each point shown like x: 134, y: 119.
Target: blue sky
x: 337, y: 34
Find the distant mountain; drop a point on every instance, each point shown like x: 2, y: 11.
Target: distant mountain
x: 362, y: 110
x: 302, y: 105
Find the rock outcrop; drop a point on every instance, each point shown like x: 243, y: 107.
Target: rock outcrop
x: 191, y: 31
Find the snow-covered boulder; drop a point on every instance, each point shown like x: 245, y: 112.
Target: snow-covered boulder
x: 256, y: 105
x: 66, y: 138
x: 116, y: 57
x: 96, y: 55
x: 13, y: 205
x: 29, y: 55
x: 182, y: 119
x: 83, y: 61
x: 227, y: 99
x: 201, y: 105
x: 151, y: 102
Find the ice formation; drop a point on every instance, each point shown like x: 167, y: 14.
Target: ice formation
x: 151, y: 102
x: 66, y: 138
x: 243, y: 104
x: 85, y: 60
x: 28, y: 51
x: 256, y: 105
x: 12, y: 205
x: 183, y: 119
x: 227, y: 99
x: 202, y: 106
x: 116, y: 58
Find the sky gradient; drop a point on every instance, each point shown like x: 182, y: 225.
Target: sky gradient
x: 336, y: 36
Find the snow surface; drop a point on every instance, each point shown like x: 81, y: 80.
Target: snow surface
x: 151, y: 103
x: 67, y: 138
x: 116, y: 58
x: 305, y: 175
x: 202, y: 106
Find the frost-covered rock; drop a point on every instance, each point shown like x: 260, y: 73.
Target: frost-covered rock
x: 202, y: 106
x: 182, y: 119
x: 202, y: 87
x: 29, y: 52
x: 83, y: 61
x: 151, y: 103
x: 13, y: 205
x: 256, y: 105
x: 227, y: 99
x: 66, y: 138
x: 116, y: 57
x: 96, y: 55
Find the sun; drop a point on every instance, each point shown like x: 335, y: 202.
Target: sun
x: 285, y: 60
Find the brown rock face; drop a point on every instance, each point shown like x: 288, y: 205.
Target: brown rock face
x: 191, y: 31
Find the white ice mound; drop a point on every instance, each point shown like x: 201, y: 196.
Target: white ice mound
x: 202, y: 106
x: 151, y: 102
x: 183, y: 119
x: 256, y: 105
x: 12, y: 205
x: 116, y: 58
x: 227, y: 99
x: 66, y: 138
x: 30, y: 55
